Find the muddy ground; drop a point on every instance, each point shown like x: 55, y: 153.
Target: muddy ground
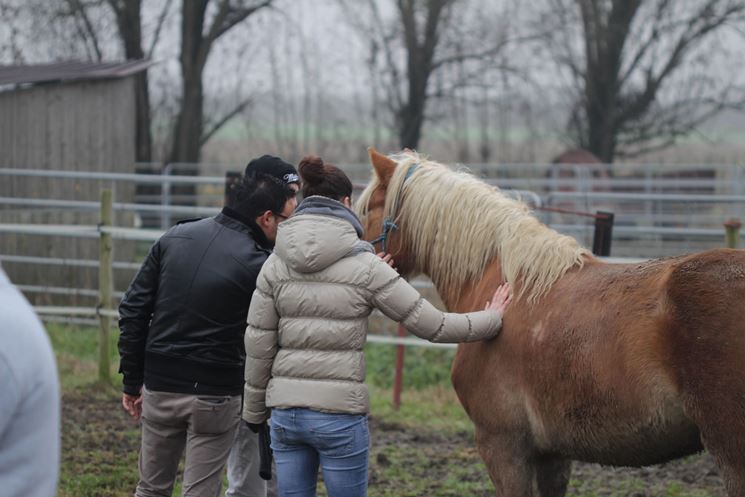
x: 693, y: 476
x: 100, y: 446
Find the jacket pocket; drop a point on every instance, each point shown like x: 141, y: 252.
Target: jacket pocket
x: 214, y: 415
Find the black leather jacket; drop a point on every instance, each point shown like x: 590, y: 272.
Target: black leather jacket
x: 183, y: 317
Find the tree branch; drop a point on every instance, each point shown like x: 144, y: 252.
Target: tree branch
x: 228, y: 16
x: 654, y: 38
x: 698, y: 26
x: 214, y: 128
x: 159, y: 25
x: 79, y: 12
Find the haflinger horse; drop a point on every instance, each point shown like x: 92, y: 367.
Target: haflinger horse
x: 618, y: 364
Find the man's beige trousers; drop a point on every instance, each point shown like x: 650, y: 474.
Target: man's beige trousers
x: 203, y: 425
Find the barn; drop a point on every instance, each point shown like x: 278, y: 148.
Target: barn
x: 66, y: 116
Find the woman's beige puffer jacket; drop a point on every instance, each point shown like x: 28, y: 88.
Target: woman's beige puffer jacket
x: 307, y: 322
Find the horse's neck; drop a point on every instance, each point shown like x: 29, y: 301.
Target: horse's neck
x: 474, y: 293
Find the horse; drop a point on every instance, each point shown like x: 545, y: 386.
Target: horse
x: 617, y: 364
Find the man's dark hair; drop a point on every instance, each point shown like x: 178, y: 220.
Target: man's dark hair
x: 259, y: 193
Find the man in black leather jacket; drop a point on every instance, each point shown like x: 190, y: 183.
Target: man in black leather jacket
x: 182, y: 322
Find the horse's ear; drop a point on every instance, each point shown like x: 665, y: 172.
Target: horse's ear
x: 384, y: 166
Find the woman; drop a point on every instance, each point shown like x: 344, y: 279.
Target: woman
x: 306, y: 330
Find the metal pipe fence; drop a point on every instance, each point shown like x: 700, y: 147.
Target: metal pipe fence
x: 584, y: 183
x: 59, y: 261
x: 62, y: 311
x: 655, y: 213
x: 94, y: 206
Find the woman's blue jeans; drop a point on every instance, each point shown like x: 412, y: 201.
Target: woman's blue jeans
x: 303, y: 439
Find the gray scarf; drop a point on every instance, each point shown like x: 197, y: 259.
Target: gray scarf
x: 325, y: 206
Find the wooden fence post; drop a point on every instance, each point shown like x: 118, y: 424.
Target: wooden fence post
x: 105, y: 285
x: 732, y: 233
x: 603, y: 237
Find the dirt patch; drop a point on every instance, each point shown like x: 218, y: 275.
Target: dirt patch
x: 94, y: 419
x: 100, y: 444
x: 439, y: 456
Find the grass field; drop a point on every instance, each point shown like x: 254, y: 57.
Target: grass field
x: 424, y: 449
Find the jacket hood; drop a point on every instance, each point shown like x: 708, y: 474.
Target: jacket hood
x: 319, y: 233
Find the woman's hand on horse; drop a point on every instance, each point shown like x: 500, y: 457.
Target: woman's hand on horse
x: 387, y: 258
x: 501, y: 299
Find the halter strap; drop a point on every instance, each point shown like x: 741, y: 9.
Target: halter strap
x: 389, y: 223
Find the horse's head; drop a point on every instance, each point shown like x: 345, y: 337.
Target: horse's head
x: 452, y: 226
x: 379, y: 206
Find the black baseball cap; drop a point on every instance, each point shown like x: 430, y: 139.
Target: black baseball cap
x: 274, y: 166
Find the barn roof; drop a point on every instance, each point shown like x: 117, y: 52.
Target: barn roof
x: 70, y: 71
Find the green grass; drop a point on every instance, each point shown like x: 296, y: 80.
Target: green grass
x: 424, y: 367
x: 76, y: 349
x: 434, y: 408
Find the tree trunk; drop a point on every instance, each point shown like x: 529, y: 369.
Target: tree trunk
x: 601, y: 140
x: 187, y: 135
x: 186, y: 139
x: 412, y: 114
x: 129, y: 22
x: 411, y: 124
x: 601, y: 108
x: 143, y: 139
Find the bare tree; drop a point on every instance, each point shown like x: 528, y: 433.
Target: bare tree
x: 641, y: 70
x: 421, y: 39
x: 198, y: 36
x: 428, y: 35
x: 419, y: 26
x: 129, y: 23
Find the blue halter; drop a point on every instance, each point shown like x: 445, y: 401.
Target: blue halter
x: 388, y: 226
x: 389, y: 223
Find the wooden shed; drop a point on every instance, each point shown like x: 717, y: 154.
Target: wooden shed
x: 68, y: 116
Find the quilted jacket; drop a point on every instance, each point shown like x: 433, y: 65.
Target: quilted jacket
x: 307, y: 322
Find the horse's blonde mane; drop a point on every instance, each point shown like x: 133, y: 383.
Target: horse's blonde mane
x: 456, y: 225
